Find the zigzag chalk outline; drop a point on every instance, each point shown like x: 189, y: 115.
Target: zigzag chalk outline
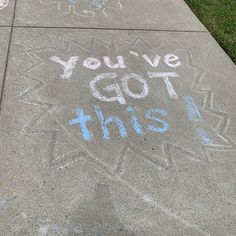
x: 67, y: 42
x: 45, y: 109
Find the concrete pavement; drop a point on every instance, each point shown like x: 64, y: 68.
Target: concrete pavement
x: 117, y: 118
x: 108, y: 14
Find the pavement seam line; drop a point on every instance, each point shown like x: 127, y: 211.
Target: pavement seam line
x: 8, y: 55
x: 107, y: 28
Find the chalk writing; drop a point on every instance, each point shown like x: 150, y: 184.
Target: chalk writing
x: 142, y: 81
x: 85, y: 8
x: 154, y: 63
x: 169, y: 86
x: 150, y: 115
x: 96, y: 4
x: 205, y: 136
x: 114, y: 87
x: 135, y: 121
x: 120, y: 64
x: 82, y: 119
x: 104, y: 132
x: 3, y: 3
x: 118, y: 89
x: 92, y: 63
x: 67, y: 66
x: 122, y: 87
x: 192, y: 109
x: 106, y: 121
x: 195, y: 115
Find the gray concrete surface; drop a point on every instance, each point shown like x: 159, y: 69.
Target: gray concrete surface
x: 116, y: 132
x: 4, y: 41
x: 6, y: 9
x: 149, y: 14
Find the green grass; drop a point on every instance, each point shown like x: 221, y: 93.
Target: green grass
x: 219, y: 17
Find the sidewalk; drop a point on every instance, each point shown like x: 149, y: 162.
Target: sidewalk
x: 117, y: 118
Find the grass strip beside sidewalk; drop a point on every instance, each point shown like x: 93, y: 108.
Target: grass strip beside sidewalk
x: 219, y: 17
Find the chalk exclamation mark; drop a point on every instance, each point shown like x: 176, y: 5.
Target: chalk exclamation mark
x: 195, y: 115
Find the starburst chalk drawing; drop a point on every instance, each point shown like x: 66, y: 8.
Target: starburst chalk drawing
x: 174, y: 85
x: 61, y: 78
